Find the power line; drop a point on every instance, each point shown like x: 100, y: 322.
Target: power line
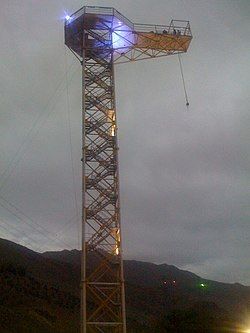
x: 65, y: 226
x: 71, y: 146
x: 43, y: 231
x: 31, y: 133
x: 28, y: 138
x: 21, y: 232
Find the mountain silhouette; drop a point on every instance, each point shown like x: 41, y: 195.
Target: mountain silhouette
x: 39, y: 293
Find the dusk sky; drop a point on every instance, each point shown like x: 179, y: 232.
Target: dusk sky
x: 184, y: 174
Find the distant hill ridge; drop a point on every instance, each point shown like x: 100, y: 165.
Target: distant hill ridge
x: 46, y: 291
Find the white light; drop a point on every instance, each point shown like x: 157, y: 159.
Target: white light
x: 67, y: 17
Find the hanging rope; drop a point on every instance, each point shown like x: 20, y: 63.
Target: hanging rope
x: 183, y: 80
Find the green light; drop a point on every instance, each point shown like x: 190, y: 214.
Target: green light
x: 203, y: 285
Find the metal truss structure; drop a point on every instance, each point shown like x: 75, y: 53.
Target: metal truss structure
x: 101, y: 37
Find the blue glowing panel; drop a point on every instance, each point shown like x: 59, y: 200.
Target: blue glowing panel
x: 123, y: 37
x: 105, y: 32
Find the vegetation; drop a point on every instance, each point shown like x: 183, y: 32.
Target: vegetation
x: 159, y: 298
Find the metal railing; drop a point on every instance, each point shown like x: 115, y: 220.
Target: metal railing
x: 100, y: 11
x: 176, y: 27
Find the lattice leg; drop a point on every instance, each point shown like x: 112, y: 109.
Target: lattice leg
x: 103, y: 285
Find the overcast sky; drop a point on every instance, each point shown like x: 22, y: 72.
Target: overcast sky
x: 184, y: 174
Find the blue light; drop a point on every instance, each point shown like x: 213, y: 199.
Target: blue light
x: 122, y: 38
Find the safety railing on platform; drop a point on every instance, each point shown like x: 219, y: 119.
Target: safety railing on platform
x: 176, y: 27
x: 100, y: 11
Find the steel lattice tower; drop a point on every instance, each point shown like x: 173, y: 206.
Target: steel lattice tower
x: 101, y: 37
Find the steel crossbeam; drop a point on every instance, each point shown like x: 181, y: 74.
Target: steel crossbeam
x: 103, y: 299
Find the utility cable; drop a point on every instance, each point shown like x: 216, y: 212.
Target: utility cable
x: 29, y: 218
x: 31, y: 134
x: 42, y: 230
x: 30, y: 245
x: 14, y: 236
x: 183, y: 80
x: 71, y: 146
x: 65, y: 226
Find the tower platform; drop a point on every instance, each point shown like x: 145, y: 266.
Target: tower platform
x: 106, y: 27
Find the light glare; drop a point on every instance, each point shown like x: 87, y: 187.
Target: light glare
x: 67, y: 17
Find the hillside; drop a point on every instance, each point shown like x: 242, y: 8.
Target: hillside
x: 40, y: 293
x: 232, y: 297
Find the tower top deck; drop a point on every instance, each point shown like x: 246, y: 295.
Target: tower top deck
x: 129, y: 41
x: 94, y: 15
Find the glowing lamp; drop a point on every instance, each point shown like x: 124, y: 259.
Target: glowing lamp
x: 67, y: 18
x: 203, y: 285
